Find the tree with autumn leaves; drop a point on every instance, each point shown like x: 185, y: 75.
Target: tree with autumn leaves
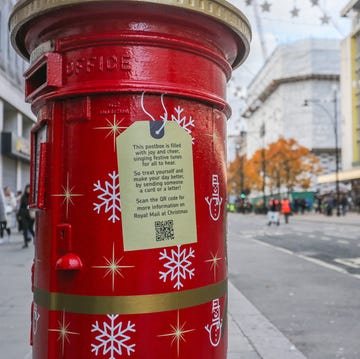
x: 286, y: 164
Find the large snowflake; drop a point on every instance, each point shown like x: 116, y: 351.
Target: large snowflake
x: 186, y: 123
x: 109, y: 197
x: 113, y: 338
x: 178, y: 265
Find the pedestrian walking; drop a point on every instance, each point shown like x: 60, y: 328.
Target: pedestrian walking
x: 2, y: 215
x: 344, y: 204
x: 18, y: 198
x: 27, y: 222
x: 10, y: 209
x: 273, y: 214
x: 330, y: 204
x: 286, y: 209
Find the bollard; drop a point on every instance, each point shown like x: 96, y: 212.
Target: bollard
x: 128, y: 174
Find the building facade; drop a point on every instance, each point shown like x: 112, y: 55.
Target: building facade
x: 350, y: 109
x: 16, y: 119
x: 293, y: 96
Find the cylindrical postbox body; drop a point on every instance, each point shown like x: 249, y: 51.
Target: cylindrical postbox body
x: 128, y: 174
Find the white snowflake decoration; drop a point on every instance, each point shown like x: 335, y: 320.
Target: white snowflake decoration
x: 178, y: 266
x: 186, y: 123
x: 113, y: 338
x: 109, y: 197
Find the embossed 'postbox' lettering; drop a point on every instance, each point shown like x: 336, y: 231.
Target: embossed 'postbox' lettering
x: 93, y: 64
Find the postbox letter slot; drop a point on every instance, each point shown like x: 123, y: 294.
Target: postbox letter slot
x: 37, y: 79
x: 63, y: 236
x: 44, y: 75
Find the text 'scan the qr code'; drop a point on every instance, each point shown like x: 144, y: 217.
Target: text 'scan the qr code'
x: 164, y: 230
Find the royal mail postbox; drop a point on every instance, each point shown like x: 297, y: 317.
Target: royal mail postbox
x: 128, y: 174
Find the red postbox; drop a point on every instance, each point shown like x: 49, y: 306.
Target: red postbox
x: 128, y: 174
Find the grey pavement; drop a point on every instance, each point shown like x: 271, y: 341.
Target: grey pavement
x: 251, y: 335
x: 15, y: 298
x: 350, y: 218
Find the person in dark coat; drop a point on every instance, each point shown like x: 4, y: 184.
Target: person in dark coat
x: 27, y: 223
x: 2, y: 212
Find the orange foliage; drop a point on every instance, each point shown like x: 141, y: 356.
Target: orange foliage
x: 287, y: 164
x: 242, y: 174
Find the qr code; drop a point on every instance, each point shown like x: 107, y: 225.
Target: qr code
x: 164, y: 230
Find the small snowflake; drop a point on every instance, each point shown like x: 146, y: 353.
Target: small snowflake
x: 183, y: 121
x: 113, y: 338
x: 178, y: 265
x: 109, y: 197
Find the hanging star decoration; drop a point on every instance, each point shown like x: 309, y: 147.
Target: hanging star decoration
x: 265, y: 6
x: 248, y: 2
x: 314, y: 2
x: 295, y: 12
x: 325, y: 19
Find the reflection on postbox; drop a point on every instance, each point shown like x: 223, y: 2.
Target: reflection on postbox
x: 128, y: 174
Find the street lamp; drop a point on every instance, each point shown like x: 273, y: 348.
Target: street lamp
x: 334, y: 121
x: 263, y: 162
x: 240, y: 155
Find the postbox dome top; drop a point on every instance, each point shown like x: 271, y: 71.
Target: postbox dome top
x: 219, y: 10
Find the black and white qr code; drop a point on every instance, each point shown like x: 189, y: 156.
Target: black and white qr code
x: 164, y: 230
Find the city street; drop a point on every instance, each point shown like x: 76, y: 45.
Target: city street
x: 292, y: 287
x: 304, y: 277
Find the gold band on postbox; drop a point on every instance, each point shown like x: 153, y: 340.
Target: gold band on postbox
x: 133, y: 304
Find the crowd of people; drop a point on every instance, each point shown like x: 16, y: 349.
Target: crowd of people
x: 275, y: 207
x: 15, y: 215
x: 328, y: 203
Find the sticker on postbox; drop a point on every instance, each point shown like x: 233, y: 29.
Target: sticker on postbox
x: 156, y: 178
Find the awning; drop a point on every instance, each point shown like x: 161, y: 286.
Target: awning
x: 343, y: 176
